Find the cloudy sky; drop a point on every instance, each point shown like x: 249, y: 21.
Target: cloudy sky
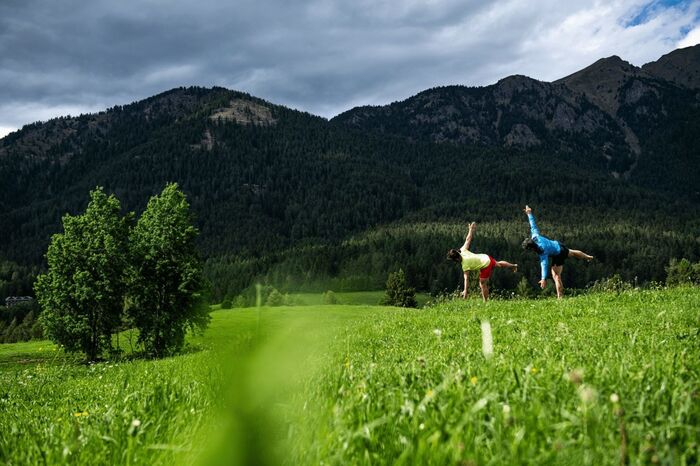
x: 60, y: 57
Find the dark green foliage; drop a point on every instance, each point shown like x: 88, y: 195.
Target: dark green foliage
x: 627, y: 245
x: 20, y: 322
x: 275, y: 298
x: 82, y: 293
x: 524, y: 289
x: 682, y: 272
x: 614, y: 284
x: 16, y: 280
x: 330, y: 298
x: 289, y: 300
x: 226, y: 303
x: 165, y: 276
x: 288, y: 203
x: 398, y: 293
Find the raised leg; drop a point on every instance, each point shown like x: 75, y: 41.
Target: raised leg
x: 507, y: 265
x: 579, y: 254
x: 556, y: 275
x: 484, y: 285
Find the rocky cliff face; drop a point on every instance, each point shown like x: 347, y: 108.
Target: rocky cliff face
x: 515, y: 112
x: 601, y: 81
x: 605, y: 110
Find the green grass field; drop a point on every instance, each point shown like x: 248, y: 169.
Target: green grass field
x: 596, y: 379
x: 356, y: 298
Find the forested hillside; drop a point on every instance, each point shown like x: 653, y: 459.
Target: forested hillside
x: 636, y: 123
x: 307, y: 203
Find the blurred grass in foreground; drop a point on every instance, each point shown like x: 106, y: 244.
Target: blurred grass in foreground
x: 596, y: 379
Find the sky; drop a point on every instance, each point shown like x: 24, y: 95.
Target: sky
x: 66, y: 57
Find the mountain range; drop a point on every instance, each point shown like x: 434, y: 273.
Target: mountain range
x: 264, y: 179
x: 607, y: 111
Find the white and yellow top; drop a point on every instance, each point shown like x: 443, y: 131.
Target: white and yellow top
x: 471, y: 261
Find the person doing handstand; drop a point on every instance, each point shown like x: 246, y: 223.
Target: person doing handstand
x: 482, y: 262
x: 546, y: 249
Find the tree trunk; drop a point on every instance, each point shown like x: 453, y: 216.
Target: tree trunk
x: 93, y: 343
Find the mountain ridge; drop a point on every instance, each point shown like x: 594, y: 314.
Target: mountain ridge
x: 594, y: 103
x: 264, y: 178
x: 689, y: 56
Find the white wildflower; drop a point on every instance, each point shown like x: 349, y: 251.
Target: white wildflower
x: 588, y: 394
x: 134, y: 427
x: 486, y: 339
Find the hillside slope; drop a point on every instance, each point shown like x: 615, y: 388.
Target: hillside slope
x: 641, y: 123
x: 263, y: 179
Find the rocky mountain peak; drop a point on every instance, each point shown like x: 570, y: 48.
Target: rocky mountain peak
x: 601, y: 81
x: 682, y: 66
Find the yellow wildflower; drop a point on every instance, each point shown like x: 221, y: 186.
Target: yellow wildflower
x: 473, y: 380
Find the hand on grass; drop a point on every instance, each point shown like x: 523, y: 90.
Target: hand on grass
x: 543, y: 284
x: 527, y: 209
x: 472, y: 226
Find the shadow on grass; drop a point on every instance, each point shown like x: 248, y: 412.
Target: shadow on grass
x: 26, y: 354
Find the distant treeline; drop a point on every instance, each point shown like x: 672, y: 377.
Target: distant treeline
x: 637, y: 251
x: 16, y: 279
x: 20, y: 323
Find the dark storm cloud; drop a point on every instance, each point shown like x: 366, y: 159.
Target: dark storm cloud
x: 322, y: 56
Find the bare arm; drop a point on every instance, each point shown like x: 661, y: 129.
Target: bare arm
x: 466, y: 285
x: 534, y: 231
x: 470, y: 235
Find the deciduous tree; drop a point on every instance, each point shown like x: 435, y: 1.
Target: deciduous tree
x: 165, y: 279
x: 82, y: 293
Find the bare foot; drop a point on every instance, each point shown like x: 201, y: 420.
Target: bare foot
x: 589, y: 258
x: 515, y: 267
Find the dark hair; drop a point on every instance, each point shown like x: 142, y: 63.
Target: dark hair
x: 530, y: 244
x: 454, y: 255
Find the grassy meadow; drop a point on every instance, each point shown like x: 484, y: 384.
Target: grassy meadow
x: 595, y: 379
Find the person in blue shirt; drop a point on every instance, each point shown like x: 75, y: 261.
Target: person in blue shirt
x: 546, y: 249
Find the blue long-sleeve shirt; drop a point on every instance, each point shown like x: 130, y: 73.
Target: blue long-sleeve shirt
x: 547, y: 246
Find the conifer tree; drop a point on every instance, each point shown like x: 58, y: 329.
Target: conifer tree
x: 398, y: 293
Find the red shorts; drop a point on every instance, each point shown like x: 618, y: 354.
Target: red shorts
x: 488, y: 270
